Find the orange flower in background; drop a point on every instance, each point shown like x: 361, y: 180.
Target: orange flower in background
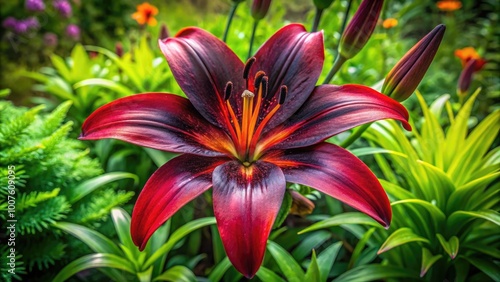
x: 145, y: 14
x: 449, y: 5
x: 389, y: 23
x: 468, y: 53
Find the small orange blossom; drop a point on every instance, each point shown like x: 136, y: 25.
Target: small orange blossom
x: 145, y: 14
x: 449, y: 5
x: 468, y: 53
x: 389, y: 23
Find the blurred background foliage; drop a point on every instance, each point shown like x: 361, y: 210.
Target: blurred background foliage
x: 55, y: 84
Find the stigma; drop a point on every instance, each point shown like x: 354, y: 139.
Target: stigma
x: 258, y: 107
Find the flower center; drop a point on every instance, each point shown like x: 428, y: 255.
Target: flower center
x: 246, y: 132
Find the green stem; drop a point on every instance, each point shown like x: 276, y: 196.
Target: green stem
x: 317, y: 18
x: 339, y: 61
x: 229, y: 20
x: 355, y: 135
x: 252, y: 38
x: 346, y: 15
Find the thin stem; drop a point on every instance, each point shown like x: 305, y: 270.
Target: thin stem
x: 317, y: 18
x: 229, y: 20
x: 339, y: 61
x: 355, y: 135
x: 254, y: 29
x: 346, y: 15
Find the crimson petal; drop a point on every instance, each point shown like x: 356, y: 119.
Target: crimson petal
x: 331, y: 110
x: 246, y: 202
x: 160, y: 121
x: 172, y: 186
x: 291, y: 57
x: 202, y: 65
x: 338, y: 173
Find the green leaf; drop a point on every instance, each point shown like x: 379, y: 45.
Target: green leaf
x: 438, y: 216
x: 326, y: 259
x: 345, y: 218
x: 121, y: 220
x: 451, y: 246
x: 290, y: 268
x: 486, y: 266
x: 92, y: 184
x: 218, y: 272
x: 159, y: 157
x: 178, y: 235
x: 427, y: 261
x: 106, y: 83
x: 95, y: 240
x: 360, y: 246
x: 312, y: 273
x: 265, y: 274
x: 61, y: 67
x: 312, y: 241
x: 93, y: 261
x: 459, y: 218
x: 399, y: 237
x: 4, y: 93
x: 284, y: 210
x: 373, y: 272
x: 177, y: 273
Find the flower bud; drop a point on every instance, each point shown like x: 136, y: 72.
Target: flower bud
x: 164, y: 34
x: 300, y: 204
x: 405, y: 76
x: 360, y: 28
x: 322, y: 4
x: 260, y: 8
x: 466, y: 77
x: 119, y: 49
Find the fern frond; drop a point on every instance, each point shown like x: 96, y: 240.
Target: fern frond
x: 43, y: 252
x: 4, y: 265
x: 53, y: 120
x: 100, y: 205
x: 34, y: 198
x: 13, y: 128
x: 40, y: 217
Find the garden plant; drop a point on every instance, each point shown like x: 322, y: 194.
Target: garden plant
x: 249, y: 140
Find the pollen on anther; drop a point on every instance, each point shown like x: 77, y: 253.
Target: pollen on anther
x: 248, y: 65
x: 227, y: 90
x: 283, y: 92
x: 247, y: 94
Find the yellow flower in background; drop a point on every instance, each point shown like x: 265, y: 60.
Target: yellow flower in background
x: 145, y: 14
x: 389, y: 23
x: 449, y: 5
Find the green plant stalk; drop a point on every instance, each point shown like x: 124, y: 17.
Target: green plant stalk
x: 355, y: 135
x: 229, y: 20
x: 252, y: 37
x: 346, y: 15
x: 317, y: 18
x: 339, y: 61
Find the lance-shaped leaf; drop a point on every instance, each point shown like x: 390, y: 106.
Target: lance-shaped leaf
x: 451, y: 246
x: 360, y: 28
x: 405, y: 76
x: 399, y: 237
x: 427, y: 261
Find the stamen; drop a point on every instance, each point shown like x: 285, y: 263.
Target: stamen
x: 283, y: 93
x: 248, y: 65
x: 227, y: 90
x: 258, y: 78
x: 247, y: 94
x: 265, y: 81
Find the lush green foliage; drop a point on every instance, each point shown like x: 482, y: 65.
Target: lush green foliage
x: 55, y: 180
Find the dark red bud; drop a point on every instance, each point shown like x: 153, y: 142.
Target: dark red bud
x: 259, y: 9
x: 164, y: 34
x: 466, y: 76
x: 322, y: 4
x: 360, y: 28
x: 119, y: 49
x: 405, y: 76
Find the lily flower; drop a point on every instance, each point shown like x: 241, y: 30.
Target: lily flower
x: 245, y: 130
x: 468, y: 53
x: 449, y: 5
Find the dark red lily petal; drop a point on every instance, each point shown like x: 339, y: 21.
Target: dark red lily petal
x: 291, y: 57
x: 338, y: 173
x: 246, y: 202
x: 331, y: 110
x: 202, y: 65
x: 172, y: 186
x: 157, y: 120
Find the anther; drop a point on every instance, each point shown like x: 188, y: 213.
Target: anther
x: 227, y: 90
x: 258, y: 79
x: 283, y: 92
x: 264, y: 82
x: 248, y: 65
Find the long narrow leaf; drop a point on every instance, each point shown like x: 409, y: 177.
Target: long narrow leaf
x: 92, y: 184
x: 399, y: 237
x: 290, y: 268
